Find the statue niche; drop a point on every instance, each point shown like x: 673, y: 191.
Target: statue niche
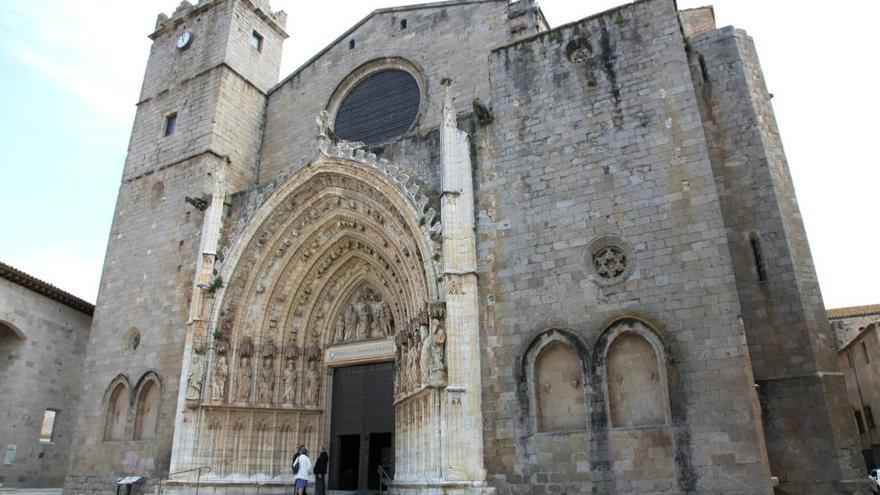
x: 245, y: 371
x: 366, y: 316
x: 313, y: 377
x: 196, y: 370
x: 289, y: 376
x: 266, y: 382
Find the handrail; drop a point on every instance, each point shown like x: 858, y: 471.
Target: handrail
x: 383, y: 477
x: 168, y: 476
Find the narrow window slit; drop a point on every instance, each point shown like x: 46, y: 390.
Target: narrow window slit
x: 703, y: 70
x: 758, y: 258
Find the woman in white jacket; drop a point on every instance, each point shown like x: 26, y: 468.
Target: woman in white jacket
x: 301, y: 467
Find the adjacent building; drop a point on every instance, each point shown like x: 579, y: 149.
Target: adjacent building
x: 43, y: 336
x: 858, y: 337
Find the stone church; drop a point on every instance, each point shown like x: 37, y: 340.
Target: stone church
x: 464, y: 250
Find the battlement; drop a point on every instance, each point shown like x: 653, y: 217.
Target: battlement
x: 186, y: 10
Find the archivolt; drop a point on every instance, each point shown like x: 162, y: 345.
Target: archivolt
x: 329, y: 230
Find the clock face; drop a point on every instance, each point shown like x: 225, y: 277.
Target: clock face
x: 184, y: 40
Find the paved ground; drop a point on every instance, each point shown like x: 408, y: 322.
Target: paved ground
x: 30, y: 491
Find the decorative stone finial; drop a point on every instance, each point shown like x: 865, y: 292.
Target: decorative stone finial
x: 449, y: 118
x: 323, y: 123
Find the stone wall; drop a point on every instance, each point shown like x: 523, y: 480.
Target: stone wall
x: 598, y: 215
x: 441, y: 41
x: 42, y: 345
x: 858, y: 362
x: 790, y: 342
x: 146, y: 283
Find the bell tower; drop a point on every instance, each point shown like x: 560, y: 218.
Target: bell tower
x: 210, y: 67
x: 195, y: 137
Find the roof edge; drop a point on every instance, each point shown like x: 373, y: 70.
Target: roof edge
x: 853, y: 311
x: 34, y: 284
x: 386, y: 10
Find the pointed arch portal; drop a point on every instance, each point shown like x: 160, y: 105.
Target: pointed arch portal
x: 336, y: 272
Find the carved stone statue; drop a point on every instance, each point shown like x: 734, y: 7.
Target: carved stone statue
x: 387, y: 321
x: 289, y: 390
x: 313, y: 377
x: 362, y: 308
x: 322, y: 121
x: 376, y: 313
x: 266, y: 384
x: 350, y: 324
x: 245, y: 376
x: 426, y: 351
x: 339, y: 330
x: 414, y: 369
x: 219, y: 379
x: 438, y: 350
x: 196, y: 370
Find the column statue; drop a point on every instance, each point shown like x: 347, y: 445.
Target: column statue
x: 219, y: 379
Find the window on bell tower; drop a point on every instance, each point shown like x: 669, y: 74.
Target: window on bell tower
x: 257, y: 41
x: 170, y: 124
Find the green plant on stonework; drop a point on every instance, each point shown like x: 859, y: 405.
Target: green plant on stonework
x: 218, y: 335
x: 215, y: 284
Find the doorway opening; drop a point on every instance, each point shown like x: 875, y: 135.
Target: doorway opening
x: 361, y: 425
x: 381, y: 454
x: 349, y: 449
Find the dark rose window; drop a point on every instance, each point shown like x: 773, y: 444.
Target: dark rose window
x: 382, y: 106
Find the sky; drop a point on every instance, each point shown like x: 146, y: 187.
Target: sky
x: 71, y: 71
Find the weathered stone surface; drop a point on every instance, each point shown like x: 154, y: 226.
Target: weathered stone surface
x: 580, y: 259
x: 42, y: 345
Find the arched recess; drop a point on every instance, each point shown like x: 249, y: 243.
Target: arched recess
x: 118, y: 402
x: 147, y: 404
x: 11, y: 344
x: 8, y: 330
x: 333, y: 229
x: 636, y: 380
x: 555, y: 371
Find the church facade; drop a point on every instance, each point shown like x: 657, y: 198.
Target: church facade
x: 465, y: 251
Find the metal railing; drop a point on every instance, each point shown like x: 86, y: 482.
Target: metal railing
x: 384, y: 479
x: 206, y: 469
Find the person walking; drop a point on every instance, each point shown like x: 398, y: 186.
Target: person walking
x: 301, y: 466
x: 320, y: 471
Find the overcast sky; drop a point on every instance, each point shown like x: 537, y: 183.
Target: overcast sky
x: 72, y: 71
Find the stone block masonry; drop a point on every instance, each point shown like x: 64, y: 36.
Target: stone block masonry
x: 582, y: 259
x: 43, y: 336
x: 598, y: 134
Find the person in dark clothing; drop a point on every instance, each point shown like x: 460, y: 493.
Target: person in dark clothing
x: 320, y: 471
